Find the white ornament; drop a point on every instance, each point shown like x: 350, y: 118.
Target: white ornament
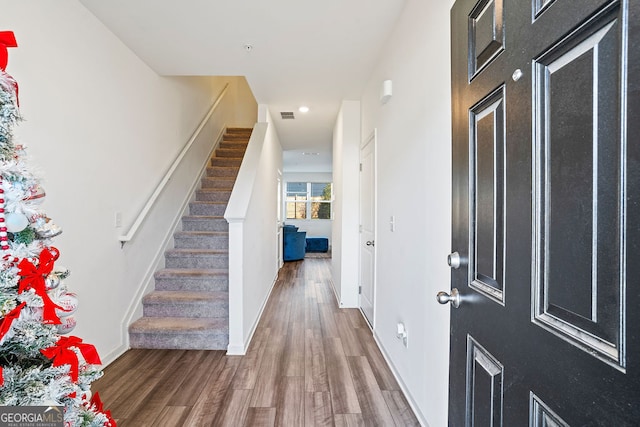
x: 15, y: 222
x: 67, y: 325
x: 69, y: 302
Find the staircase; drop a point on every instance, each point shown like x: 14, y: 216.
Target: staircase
x: 189, y: 308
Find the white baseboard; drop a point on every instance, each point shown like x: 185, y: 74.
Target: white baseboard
x: 241, y: 350
x: 403, y: 387
x: 113, y: 355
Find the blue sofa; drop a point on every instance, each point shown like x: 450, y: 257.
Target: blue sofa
x: 294, y: 243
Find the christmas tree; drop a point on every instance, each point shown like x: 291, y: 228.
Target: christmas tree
x: 39, y: 364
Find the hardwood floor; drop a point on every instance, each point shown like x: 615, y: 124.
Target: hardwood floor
x: 310, y: 363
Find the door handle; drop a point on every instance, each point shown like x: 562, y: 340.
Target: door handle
x: 370, y: 243
x: 454, y: 298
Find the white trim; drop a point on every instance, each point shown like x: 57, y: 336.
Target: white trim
x: 403, y: 387
x: 241, y: 350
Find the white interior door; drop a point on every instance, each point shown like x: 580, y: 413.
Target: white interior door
x: 367, y: 226
x: 279, y: 222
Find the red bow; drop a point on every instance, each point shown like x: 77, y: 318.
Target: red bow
x: 9, y: 318
x: 97, y: 404
x: 33, y: 277
x: 7, y: 39
x: 61, y: 354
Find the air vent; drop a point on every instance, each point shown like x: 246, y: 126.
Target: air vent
x: 287, y: 115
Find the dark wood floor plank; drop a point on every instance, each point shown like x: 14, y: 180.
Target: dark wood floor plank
x: 343, y: 394
x: 311, y: 311
x: 309, y: 363
x: 290, y: 405
x: 234, y: 409
x: 270, y: 313
x: 374, y: 408
x: 317, y: 409
x: 247, y: 373
x: 170, y: 416
x: 329, y: 294
x: 187, y: 365
x: 281, y: 319
x: 119, y: 377
x: 328, y: 321
x: 322, y: 295
x: 294, y: 351
x: 379, y: 366
x: 119, y: 367
x: 310, y: 291
x: 316, y: 378
x: 356, y: 318
x: 297, y: 302
x: 191, y: 387
x: 400, y: 409
x: 261, y: 417
x: 142, y: 383
x: 266, y: 388
x: 211, y: 398
x: 350, y: 341
x: 349, y: 420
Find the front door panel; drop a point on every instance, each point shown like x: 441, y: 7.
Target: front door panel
x: 486, y: 185
x: 580, y: 185
x: 546, y: 187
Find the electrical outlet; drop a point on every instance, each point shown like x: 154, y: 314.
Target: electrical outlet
x: 118, y: 219
x: 402, y: 334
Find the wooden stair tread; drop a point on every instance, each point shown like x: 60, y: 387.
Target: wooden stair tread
x: 184, y: 325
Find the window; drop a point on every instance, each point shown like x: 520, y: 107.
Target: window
x: 309, y: 200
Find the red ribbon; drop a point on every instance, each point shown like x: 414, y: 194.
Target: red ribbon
x: 9, y: 318
x: 1, y: 377
x: 97, y: 404
x: 62, y: 354
x: 33, y: 277
x: 7, y: 39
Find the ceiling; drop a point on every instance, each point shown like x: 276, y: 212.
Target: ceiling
x: 313, y: 53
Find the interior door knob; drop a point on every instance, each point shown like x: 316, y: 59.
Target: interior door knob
x: 370, y: 243
x: 454, y: 298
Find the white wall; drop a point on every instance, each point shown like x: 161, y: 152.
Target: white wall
x: 246, y: 110
x: 103, y: 128
x: 313, y: 227
x: 253, y: 230
x: 345, y: 234
x: 414, y: 170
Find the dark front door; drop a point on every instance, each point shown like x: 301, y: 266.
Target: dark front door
x: 546, y: 214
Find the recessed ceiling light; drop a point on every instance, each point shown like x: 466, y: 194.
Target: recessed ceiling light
x: 303, y: 109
